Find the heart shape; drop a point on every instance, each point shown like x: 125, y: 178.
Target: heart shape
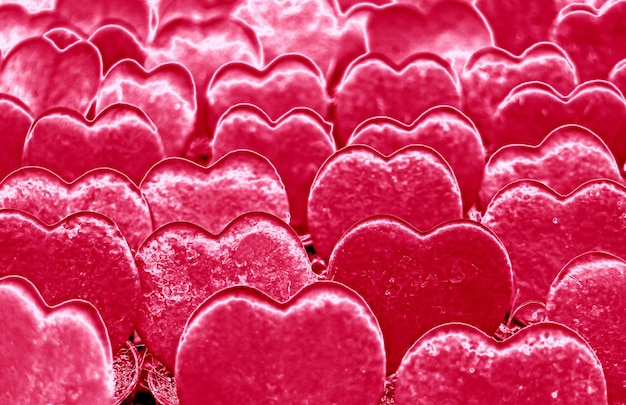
x: 532, y: 110
x: 402, y: 92
x: 568, y: 157
x: 592, y: 37
x: 543, y: 230
x: 491, y: 73
x: 443, y: 128
x: 58, y: 354
x: 84, y: 256
x: 44, y: 76
x: 287, y: 82
x: 459, y: 364
x: 46, y: 196
x: 121, y: 137
x: 166, y: 94
x: 15, y: 120
x: 458, y: 271
x: 115, y: 43
x: 181, y: 264
x: 517, y: 24
x: 587, y: 296
x: 322, y: 347
x: 399, y: 31
x: 297, y: 144
x: 240, y: 182
x: 414, y: 183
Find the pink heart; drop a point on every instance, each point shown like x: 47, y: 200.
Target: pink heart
x: 543, y: 230
x: 287, y: 82
x: 532, y: 110
x: 84, y: 256
x: 491, y: 73
x: 133, y: 14
x: 588, y: 297
x: 166, y: 94
x: 243, y: 181
x: 46, y: 196
x: 58, y: 354
x: 116, y: 43
x: 322, y: 347
x: 543, y: 363
x: 181, y: 264
x: 44, y: 76
x: 593, y: 38
x: 516, y: 24
x: 569, y: 156
x: 297, y: 144
x: 414, y: 183
x: 402, y: 92
x: 15, y: 120
x: 443, y: 128
x: 458, y: 271
x: 121, y: 137
x: 399, y: 31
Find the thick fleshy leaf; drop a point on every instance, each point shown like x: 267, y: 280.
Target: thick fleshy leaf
x: 84, y: 256
x: 532, y: 110
x: 443, y: 128
x: 491, y: 73
x: 543, y: 230
x: 121, y: 137
x: 181, y: 265
x: 51, y: 355
x: 402, y: 92
x: 593, y: 38
x: 15, y: 120
x: 297, y: 144
x: 414, y: 183
x: 458, y: 271
x: 588, y: 297
x: 44, y: 76
x: 166, y: 94
x: 402, y: 30
x: 568, y: 157
x: 46, y: 196
x: 545, y: 363
x: 211, y: 197
x: 116, y: 43
x: 324, y: 346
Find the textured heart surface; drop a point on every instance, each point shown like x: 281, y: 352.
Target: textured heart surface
x: 443, y: 128
x: 296, y: 144
x: 180, y: 265
x: 415, y: 184
x: 121, y: 137
x: 46, y: 196
x: 402, y: 91
x: 51, y: 355
x: 323, y: 346
x: 588, y: 297
x: 543, y: 230
x: 166, y: 94
x: 84, y: 256
x: 545, y: 363
x: 242, y: 181
x: 413, y: 282
x: 568, y: 157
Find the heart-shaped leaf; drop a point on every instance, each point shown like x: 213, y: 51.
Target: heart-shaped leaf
x: 458, y: 271
x: 181, y: 265
x: 84, y: 256
x: 414, y: 183
x: 322, y: 347
x: 545, y: 363
x: 51, y: 355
